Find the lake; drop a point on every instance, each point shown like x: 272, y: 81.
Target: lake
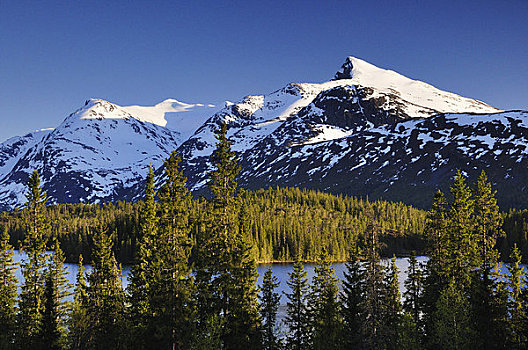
x: 279, y: 270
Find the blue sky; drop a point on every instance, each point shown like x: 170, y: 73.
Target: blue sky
x: 56, y: 54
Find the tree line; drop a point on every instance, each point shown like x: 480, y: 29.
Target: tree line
x: 281, y: 222
x: 193, y: 280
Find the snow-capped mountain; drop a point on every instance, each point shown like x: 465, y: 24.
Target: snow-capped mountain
x: 98, y: 153
x: 353, y: 135
x: 368, y: 131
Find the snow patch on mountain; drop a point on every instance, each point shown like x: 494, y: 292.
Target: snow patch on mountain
x: 178, y: 116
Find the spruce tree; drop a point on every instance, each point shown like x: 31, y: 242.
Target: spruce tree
x: 324, y: 307
x: 487, y: 229
x: 297, y: 319
x: 243, y: 318
x: 8, y: 291
x: 105, y: 306
x: 78, y: 321
x: 392, y: 306
x: 524, y: 320
x: 352, y: 307
x: 413, y: 292
x: 33, y: 266
x: 52, y: 333
x: 516, y: 277
x: 499, y: 313
x: 451, y: 320
x: 462, y: 243
x: 435, y: 274
x: 225, y: 267
x: 373, y: 300
x: 269, y: 306
x: 49, y: 334
x: 171, y: 295
x: 488, y: 221
x: 145, y: 269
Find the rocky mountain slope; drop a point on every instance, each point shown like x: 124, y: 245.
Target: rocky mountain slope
x: 368, y: 131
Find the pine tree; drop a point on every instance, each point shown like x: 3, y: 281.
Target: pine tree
x: 34, y: 246
x: 324, y: 306
x: 269, y: 306
x: 145, y: 269
x: 392, y: 306
x: 78, y: 321
x: 516, y: 277
x: 8, y: 291
x: 352, y: 308
x: 297, y: 319
x: 105, y: 306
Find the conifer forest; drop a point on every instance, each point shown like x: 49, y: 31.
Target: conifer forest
x: 193, y: 281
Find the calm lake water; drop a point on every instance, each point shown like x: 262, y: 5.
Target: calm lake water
x: 279, y: 270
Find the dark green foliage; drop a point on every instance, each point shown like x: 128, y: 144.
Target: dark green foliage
x: 225, y: 266
x: 463, y: 253
x: 105, y: 307
x: 408, y: 337
x: 243, y: 319
x: 516, y: 228
x: 488, y: 221
x: 8, y: 292
x: 456, y: 303
x: 297, y: 318
x: 413, y: 293
x: 78, y: 322
x: 269, y: 306
x: 49, y: 334
x: 145, y: 269
x: 281, y: 221
x: 172, y: 285
x: 516, y: 310
x: 30, y: 303
x: 352, y: 298
x: 524, y: 320
x: 57, y: 272
x: 451, y: 320
x: 374, y: 294
x: 324, y: 307
x: 392, y: 306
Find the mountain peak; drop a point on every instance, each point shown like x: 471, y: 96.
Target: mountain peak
x: 96, y: 108
x: 387, y: 82
x: 346, y: 69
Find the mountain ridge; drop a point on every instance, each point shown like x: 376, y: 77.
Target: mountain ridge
x: 315, y: 135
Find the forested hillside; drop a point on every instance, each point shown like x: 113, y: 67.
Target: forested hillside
x: 281, y: 222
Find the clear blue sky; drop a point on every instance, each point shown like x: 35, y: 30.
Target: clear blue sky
x: 56, y: 54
